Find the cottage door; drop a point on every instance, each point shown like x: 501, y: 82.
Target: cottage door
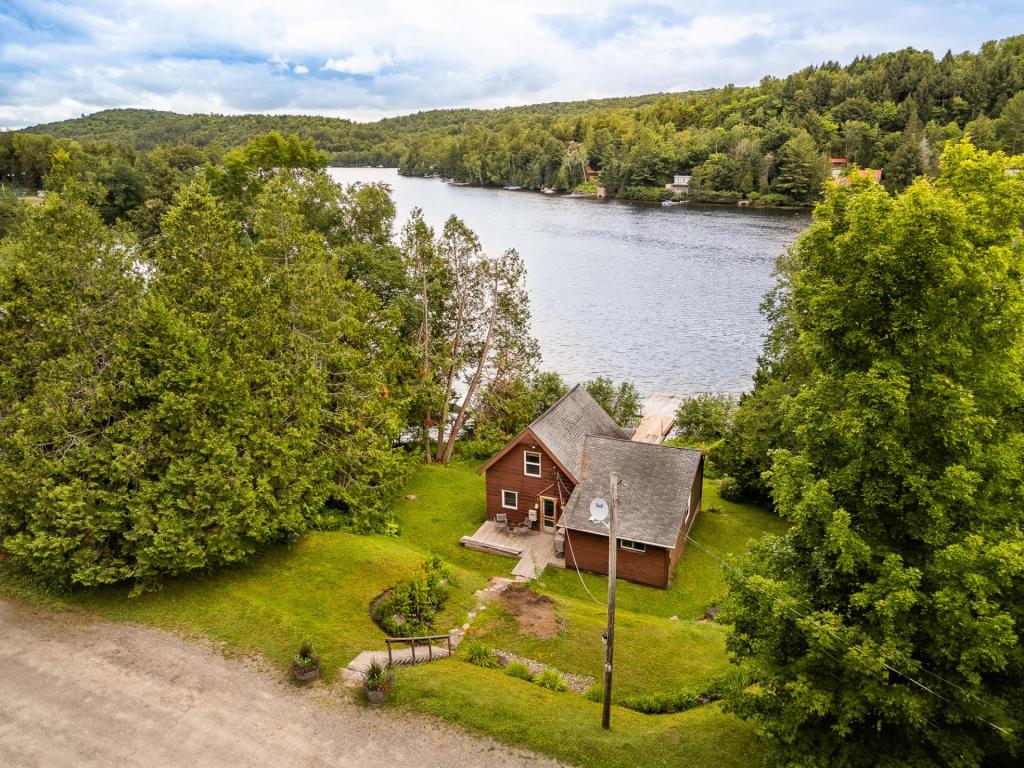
x: 548, y: 514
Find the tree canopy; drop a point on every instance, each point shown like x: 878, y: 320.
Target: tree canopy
x: 884, y: 627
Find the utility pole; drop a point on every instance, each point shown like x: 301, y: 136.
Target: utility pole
x: 612, y: 549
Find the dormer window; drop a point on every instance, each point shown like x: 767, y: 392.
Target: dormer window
x: 531, y: 463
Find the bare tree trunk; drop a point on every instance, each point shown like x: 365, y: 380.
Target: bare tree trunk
x: 427, y: 378
x: 449, y: 446
x: 452, y: 370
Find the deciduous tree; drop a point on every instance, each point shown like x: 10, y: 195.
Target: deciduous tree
x: 884, y: 627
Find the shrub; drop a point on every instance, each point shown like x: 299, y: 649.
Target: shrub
x: 519, y: 670
x: 552, y: 680
x: 713, y: 195
x: 729, y: 489
x: 306, y: 659
x: 645, y: 194
x: 479, y: 654
x: 733, y: 681
x: 713, y: 467
x: 706, y: 416
x: 412, y: 606
x: 663, y: 703
x: 771, y: 200
x: 594, y: 693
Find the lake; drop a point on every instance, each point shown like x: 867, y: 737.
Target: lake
x: 664, y: 297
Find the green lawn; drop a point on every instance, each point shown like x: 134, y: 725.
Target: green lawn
x: 320, y: 588
x: 569, y: 727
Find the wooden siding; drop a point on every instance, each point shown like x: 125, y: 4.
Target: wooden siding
x: 506, y: 474
x: 589, y: 552
x: 655, y: 567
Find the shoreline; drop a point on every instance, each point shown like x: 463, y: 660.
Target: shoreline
x: 608, y: 198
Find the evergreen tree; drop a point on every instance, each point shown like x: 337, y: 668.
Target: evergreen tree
x: 801, y: 168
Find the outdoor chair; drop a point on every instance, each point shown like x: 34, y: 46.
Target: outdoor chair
x: 524, y: 527
x: 501, y: 519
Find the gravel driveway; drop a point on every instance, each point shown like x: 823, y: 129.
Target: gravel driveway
x: 79, y: 691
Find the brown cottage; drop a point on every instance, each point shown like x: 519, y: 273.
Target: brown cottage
x: 547, y: 476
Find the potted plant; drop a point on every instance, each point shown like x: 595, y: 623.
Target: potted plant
x: 306, y: 664
x: 377, y: 682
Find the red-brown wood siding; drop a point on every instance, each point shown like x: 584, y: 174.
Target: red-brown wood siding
x: 507, y: 474
x: 589, y: 552
x: 655, y: 566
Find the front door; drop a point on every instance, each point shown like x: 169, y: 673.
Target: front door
x: 548, y: 514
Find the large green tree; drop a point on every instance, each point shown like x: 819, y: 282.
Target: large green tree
x: 885, y: 626
x: 172, y: 408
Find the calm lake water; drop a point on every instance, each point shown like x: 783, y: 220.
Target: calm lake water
x: 664, y: 297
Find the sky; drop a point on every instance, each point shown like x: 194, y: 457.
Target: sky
x: 371, y: 59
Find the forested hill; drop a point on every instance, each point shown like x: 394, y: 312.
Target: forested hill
x: 769, y: 144
x: 348, y: 142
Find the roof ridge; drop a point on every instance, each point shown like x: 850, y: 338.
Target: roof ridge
x: 554, y: 405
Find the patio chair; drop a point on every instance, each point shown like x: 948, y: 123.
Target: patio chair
x: 525, y: 526
x: 500, y: 518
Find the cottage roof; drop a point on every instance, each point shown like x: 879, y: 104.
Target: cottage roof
x: 565, y: 425
x: 654, y: 492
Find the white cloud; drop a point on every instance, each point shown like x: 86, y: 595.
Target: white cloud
x: 364, y: 62
x: 225, y: 56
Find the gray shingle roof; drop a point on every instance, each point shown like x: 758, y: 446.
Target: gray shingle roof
x: 653, y: 493
x: 565, y: 425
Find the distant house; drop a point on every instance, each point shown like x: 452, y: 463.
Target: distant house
x: 546, y: 477
x: 838, y: 166
x: 680, y: 183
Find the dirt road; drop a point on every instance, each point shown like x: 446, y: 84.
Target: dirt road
x: 79, y: 691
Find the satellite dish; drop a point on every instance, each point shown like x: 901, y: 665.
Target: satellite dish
x: 598, y: 511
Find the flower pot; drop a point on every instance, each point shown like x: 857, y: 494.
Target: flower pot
x: 301, y: 675
x: 375, y: 696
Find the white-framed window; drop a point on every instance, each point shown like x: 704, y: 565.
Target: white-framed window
x: 510, y: 499
x: 531, y: 463
x: 635, y: 546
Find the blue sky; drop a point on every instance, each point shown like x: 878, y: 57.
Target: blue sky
x: 366, y: 60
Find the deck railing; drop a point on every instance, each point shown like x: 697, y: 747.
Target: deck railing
x: 412, y: 641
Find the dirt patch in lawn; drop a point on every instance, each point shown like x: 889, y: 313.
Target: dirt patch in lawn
x: 534, y: 613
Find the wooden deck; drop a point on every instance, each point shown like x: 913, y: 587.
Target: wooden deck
x: 659, y: 416
x: 534, y: 550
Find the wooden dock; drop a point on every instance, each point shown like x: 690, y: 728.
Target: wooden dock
x: 659, y: 416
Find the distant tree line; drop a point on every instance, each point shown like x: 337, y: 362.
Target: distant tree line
x: 768, y: 144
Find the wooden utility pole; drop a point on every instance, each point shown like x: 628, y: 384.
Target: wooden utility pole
x: 612, y: 549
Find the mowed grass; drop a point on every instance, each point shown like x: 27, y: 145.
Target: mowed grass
x: 320, y: 589
x: 568, y: 726
x: 652, y: 655
x: 722, y: 531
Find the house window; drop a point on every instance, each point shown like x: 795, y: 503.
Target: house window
x: 635, y: 546
x: 510, y: 499
x: 531, y: 463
